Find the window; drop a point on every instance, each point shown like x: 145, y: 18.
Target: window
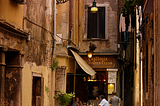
x: 96, y: 24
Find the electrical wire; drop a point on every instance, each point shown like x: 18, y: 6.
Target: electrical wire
x: 69, y: 40
x: 44, y: 29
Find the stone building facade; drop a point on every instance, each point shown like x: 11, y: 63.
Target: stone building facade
x: 156, y: 80
x: 150, y: 48
x: 26, y: 34
x: 100, y: 29
x: 72, y: 26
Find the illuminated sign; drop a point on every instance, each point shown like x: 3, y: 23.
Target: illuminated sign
x: 101, y: 61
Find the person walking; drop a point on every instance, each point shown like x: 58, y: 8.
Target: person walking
x: 115, y: 100
x: 103, y: 102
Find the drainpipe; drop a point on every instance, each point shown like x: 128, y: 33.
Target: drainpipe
x: 54, y: 29
x: 54, y: 48
x: 138, y: 57
x: 140, y: 69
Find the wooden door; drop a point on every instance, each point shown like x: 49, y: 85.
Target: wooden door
x: 36, y: 91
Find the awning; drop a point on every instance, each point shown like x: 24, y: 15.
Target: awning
x: 83, y: 64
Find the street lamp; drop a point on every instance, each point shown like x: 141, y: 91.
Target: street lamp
x: 94, y: 8
x: 92, y: 47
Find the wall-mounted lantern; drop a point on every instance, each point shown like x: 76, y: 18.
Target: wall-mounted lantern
x: 92, y: 47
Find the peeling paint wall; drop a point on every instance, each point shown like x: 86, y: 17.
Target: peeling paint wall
x: 12, y: 86
x: 38, y: 51
x: 67, y: 27
x: 27, y: 76
x: 33, y: 56
x: 10, y: 40
x: 35, y: 49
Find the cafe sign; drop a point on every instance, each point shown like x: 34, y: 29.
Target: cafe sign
x: 101, y: 61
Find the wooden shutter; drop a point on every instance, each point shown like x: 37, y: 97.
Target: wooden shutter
x: 101, y: 23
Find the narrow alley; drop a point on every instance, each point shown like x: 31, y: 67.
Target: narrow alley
x: 79, y: 53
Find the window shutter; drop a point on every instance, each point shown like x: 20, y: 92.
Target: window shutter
x: 89, y: 24
x: 102, y: 23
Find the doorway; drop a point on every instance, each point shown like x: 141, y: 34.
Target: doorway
x: 87, y: 88
x: 13, y: 78
x: 97, y: 86
x: 36, y: 91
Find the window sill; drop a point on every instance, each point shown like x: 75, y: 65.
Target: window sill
x: 94, y: 39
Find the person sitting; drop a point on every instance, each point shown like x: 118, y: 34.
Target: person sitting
x: 97, y: 101
x: 103, y: 102
x: 77, y: 102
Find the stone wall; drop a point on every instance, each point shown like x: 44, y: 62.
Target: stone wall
x: 36, y: 48
x: 148, y: 58
x: 38, y: 22
x: 34, y: 51
x: 156, y: 53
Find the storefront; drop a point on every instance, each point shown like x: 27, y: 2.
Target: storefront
x: 102, y: 83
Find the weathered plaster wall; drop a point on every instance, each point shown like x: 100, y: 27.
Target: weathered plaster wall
x: 35, y: 49
x: 103, y: 45
x: 27, y: 71
x: 11, y: 12
x: 62, y: 27
x: 68, y: 62
x: 38, y: 50
x: 10, y: 40
x: 63, y: 20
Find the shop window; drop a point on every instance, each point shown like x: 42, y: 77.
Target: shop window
x: 97, y: 86
x: 96, y: 24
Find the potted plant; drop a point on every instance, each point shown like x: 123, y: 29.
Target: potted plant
x: 63, y: 98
